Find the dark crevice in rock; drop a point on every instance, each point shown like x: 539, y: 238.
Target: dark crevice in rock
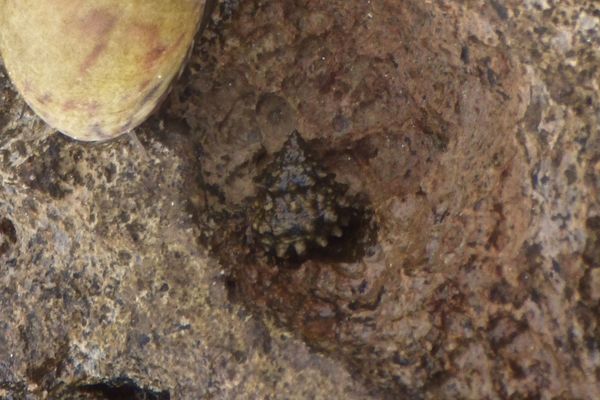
x: 8, y: 235
x: 591, y: 254
x: 122, y: 389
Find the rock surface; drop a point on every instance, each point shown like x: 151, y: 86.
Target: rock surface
x: 472, y: 128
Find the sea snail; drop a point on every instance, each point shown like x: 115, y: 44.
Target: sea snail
x: 299, y: 206
x: 95, y: 69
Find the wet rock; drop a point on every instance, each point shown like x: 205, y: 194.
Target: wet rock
x: 471, y: 127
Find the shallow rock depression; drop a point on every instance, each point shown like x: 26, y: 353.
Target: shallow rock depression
x: 432, y: 230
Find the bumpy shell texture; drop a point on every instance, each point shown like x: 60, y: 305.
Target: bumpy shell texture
x: 299, y: 207
x: 94, y: 69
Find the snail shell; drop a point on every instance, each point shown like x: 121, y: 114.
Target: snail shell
x: 94, y: 69
x: 299, y: 206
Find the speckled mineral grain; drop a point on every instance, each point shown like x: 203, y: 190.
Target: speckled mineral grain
x: 471, y: 127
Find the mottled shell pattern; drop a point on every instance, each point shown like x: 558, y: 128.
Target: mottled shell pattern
x: 94, y: 69
x: 299, y: 206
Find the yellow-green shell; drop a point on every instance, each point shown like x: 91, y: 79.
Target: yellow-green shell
x: 94, y: 69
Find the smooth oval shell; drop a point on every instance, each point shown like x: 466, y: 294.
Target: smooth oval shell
x: 94, y: 69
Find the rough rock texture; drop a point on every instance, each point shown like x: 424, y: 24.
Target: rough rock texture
x: 472, y: 128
